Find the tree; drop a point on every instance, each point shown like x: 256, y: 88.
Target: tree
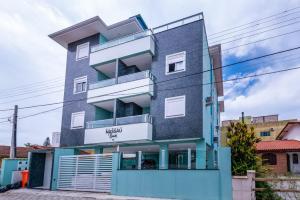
x: 28, y: 144
x: 47, y: 142
x: 242, y: 141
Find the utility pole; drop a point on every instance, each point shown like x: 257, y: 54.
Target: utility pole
x: 13, y: 146
x: 243, y: 118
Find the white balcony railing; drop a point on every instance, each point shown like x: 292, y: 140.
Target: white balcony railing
x: 178, y: 23
x: 145, y: 118
x: 100, y: 123
x: 122, y: 79
x: 103, y: 83
x: 121, y: 40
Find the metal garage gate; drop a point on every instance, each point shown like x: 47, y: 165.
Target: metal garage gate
x: 85, y: 173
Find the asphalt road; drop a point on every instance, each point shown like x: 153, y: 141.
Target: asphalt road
x: 34, y: 194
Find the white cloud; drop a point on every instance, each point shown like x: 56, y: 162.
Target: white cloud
x: 272, y: 94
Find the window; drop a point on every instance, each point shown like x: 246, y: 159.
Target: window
x: 175, y: 63
x: 80, y: 85
x: 77, y: 120
x: 269, y: 159
x: 295, y: 158
x: 265, y: 133
x: 82, y: 51
x: 175, y: 107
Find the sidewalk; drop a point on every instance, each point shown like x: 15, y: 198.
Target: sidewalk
x: 35, y: 194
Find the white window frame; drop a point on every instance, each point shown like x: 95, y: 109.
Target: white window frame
x: 72, y: 118
x: 168, y: 57
x: 80, y: 46
x: 79, y: 80
x: 174, y: 98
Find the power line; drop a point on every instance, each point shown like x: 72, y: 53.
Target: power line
x: 114, y: 93
x: 215, y: 42
x: 255, y: 21
x: 47, y: 82
x: 224, y: 50
x: 30, y: 84
x: 261, y: 40
x: 258, y: 24
x: 32, y: 91
x: 56, y: 91
x: 210, y: 83
x: 31, y: 115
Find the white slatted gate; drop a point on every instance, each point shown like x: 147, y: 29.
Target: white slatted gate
x: 85, y: 173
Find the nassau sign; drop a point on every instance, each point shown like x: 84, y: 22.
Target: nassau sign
x: 129, y: 132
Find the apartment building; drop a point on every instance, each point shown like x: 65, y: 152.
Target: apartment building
x: 146, y: 99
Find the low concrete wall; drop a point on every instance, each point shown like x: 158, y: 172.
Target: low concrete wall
x: 243, y: 185
x: 178, y: 184
x: 7, y: 168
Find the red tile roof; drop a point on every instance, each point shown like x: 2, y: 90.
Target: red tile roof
x: 22, y: 152
x: 278, y: 145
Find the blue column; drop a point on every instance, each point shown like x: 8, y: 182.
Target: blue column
x: 163, y: 156
x: 98, y: 150
x: 115, y: 167
x: 225, y: 173
x: 201, y: 155
x: 210, y: 158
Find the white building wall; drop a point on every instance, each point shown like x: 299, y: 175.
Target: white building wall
x: 293, y: 134
x: 47, y: 171
x: 55, y: 139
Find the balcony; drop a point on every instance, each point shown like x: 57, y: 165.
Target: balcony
x: 135, y: 87
x: 136, y: 49
x: 124, y: 129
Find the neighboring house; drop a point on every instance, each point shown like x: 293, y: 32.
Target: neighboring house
x: 22, y: 152
x: 281, y: 156
x: 291, y: 131
x: 265, y: 127
x: 147, y: 96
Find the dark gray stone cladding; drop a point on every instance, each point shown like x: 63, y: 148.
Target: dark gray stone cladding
x: 184, y: 38
x: 74, y: 69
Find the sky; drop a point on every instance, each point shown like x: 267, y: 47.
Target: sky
x: 32, y: 66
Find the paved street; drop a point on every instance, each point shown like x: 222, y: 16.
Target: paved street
x: 26, y: 194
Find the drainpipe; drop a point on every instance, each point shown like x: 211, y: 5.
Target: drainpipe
x: 117, y: 70
x: 115, y: 113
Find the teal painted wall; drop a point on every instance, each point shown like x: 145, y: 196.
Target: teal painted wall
x: 201, y: 155
x: 8, y: 166
x: 146, y: 110
x: 179, y: 184
x: 210, y: 113
x: 102, y: 114
x: 57, y: 153
x: 102, y: 39
x: 102, y: 76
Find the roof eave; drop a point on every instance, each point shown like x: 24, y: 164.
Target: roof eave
x: 216, y: 55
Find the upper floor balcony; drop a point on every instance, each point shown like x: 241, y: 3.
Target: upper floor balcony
x: 135, y: 87
x: 136, y: 49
